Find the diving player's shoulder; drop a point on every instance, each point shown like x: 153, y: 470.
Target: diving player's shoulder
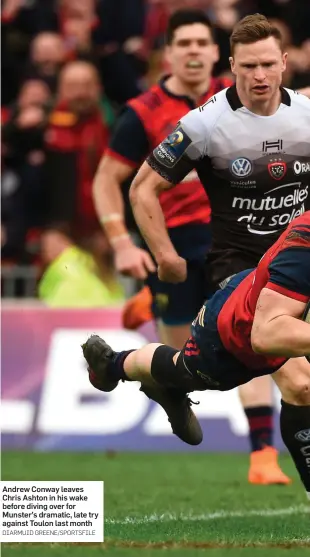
x: 302, y: 220
x: 297, y: 235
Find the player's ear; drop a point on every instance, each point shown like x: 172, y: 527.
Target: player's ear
x: 232, y: 65
x: 284, y: 59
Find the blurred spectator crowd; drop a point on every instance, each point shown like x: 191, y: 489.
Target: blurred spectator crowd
x: 68, y: 66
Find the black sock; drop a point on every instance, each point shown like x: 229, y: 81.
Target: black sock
x: 116, y: 366
x: 260, y: 419
x: 295, y: 431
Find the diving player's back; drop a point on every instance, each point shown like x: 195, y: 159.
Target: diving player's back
x: 285, y: 268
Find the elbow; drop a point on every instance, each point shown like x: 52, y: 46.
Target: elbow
x: 106, y: 176
x: 259, y: 341
x: 98, y: 181
x: 135, y: 193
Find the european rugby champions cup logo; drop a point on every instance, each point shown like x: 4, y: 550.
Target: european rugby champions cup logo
x: 171, y: 149
x: 175, y: 138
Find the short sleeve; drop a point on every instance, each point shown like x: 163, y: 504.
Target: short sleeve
x: 129, y: 140
x: 179, y: 152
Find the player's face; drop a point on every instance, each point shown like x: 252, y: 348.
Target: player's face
x: 258, y: 68
x: 192, y: 53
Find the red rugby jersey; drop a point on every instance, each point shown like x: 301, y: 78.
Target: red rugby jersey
x: 159, y: 110
x: 285, y: 268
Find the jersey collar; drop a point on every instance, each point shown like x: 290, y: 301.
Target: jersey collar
x: 235, y: 103
x: 185, y: 98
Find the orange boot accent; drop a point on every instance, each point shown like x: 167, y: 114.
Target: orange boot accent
x: 265, y: 469
x: 137, y: 310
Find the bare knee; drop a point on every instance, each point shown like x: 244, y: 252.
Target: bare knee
x: 293, y: 381
x: 141, y: 359
x: 300, y: 391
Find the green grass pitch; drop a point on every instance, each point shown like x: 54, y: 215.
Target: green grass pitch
x: 174, y: 504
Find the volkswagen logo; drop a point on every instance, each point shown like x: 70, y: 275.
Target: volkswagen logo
x: 303, y: 436
x: 241, y: 167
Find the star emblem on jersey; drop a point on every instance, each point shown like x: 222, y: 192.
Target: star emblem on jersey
x: 241, y: 167
x: 277, y: 169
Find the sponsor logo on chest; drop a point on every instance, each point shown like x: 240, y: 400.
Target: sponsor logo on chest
x: 274, y: 210
x: 301, y: 167
x: 241, y: 167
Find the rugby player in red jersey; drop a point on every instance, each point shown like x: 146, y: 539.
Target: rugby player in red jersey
x: 252, y: 327
x: 144, y: 123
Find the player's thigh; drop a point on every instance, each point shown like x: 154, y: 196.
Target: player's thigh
x: 293, y: 380
x: 173, y: 335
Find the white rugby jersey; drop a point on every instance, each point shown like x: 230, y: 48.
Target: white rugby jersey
x: 255, y: 170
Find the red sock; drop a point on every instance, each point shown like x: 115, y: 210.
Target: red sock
x: 260, y: 420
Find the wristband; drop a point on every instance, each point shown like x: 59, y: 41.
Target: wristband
x: 110, y: 218
x: 119, y: 238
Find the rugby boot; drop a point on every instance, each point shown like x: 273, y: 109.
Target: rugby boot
x: 177, y: 406
x: 99, y: 355
x: 265, y: 469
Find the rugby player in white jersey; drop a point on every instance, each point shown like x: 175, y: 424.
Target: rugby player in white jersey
x: 250, y: 145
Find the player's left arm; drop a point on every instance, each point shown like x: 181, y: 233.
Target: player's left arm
x: 278, y: 327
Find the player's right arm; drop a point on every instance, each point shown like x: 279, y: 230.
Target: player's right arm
x: 128, y: 146
x: 169, y: 163
x: 149, y: 216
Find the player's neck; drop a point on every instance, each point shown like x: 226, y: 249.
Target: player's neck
x: 267, y: 108
x: 194, y: 92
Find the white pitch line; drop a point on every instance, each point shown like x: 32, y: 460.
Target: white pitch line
x: 170, y: 517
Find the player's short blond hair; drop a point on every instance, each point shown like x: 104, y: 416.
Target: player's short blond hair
x: 251, y: 29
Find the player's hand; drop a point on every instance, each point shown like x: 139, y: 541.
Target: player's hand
x: 172, y: 268
x: 133, y: 261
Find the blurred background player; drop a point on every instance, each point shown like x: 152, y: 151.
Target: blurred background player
x: 146, y: 120
x: 238, y: 167
x: 76, y: 136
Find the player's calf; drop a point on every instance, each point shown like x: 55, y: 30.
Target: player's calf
x: 294, y: 382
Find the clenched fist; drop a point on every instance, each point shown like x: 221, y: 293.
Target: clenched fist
x: 172, y: 268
